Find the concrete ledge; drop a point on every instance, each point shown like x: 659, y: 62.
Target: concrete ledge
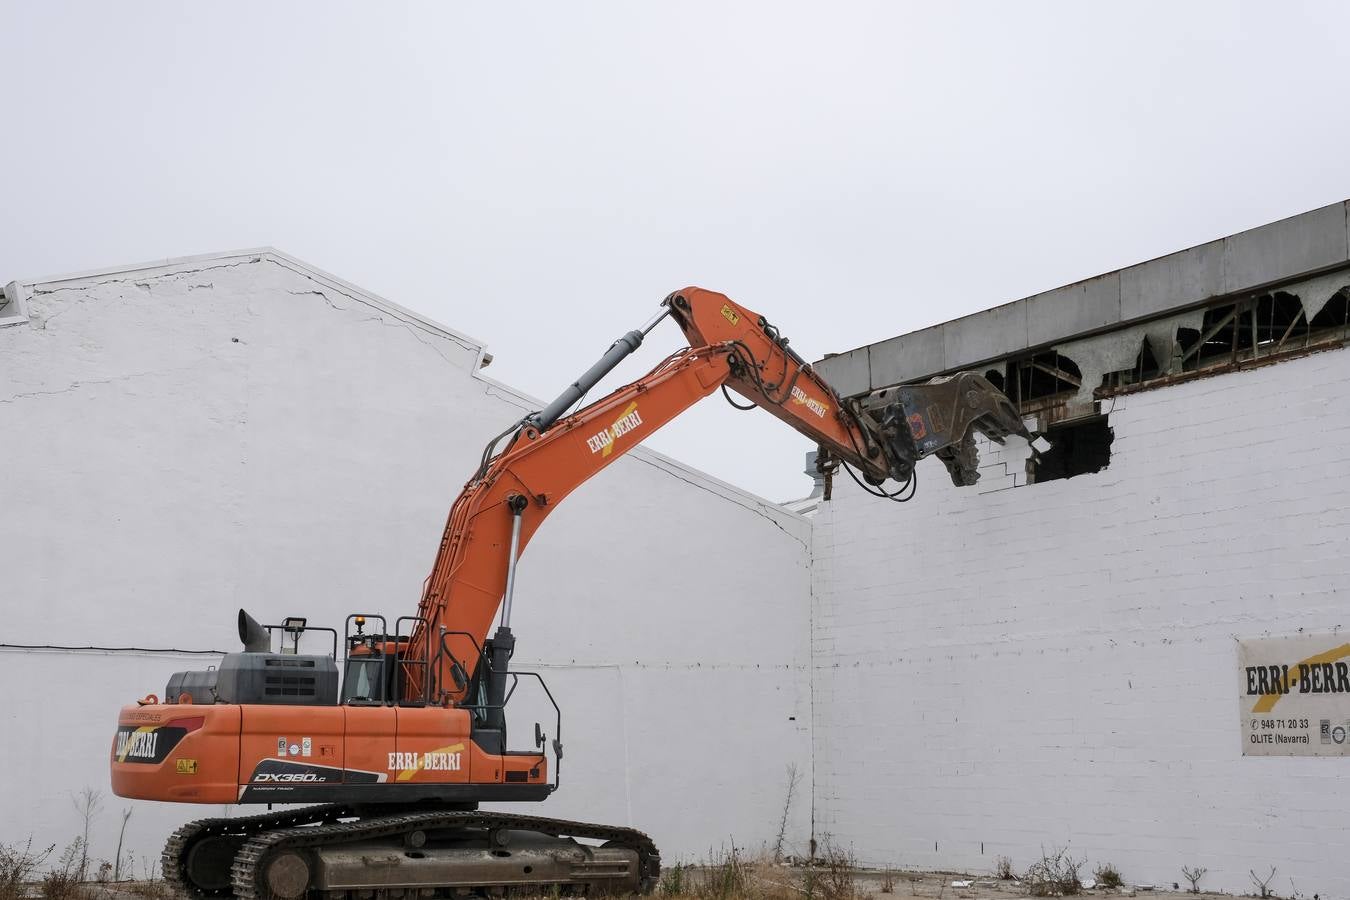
x: 1161, y: 285
x: 1302, y: 245
x: 919, y: 351
x: 1298, y: 246
x: 984, y: 335
x: 1076, y: 309
x: 851, y: 372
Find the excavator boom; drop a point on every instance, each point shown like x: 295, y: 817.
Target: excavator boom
x: 549, y: 454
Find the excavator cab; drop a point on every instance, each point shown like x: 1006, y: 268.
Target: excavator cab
x: 368, y: 676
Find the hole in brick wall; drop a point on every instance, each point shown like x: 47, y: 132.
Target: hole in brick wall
x: 1215, y: 340
x: 1080, y: 447
x: 1277, y: 316
x: 1146, y: 361
x: 1336, y: 313
x: 1146, y: 366
x: 1041, y: 376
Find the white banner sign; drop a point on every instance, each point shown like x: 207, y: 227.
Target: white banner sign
x: 1295, y: 695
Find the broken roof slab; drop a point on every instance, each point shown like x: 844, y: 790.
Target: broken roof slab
x: 1296, y: 248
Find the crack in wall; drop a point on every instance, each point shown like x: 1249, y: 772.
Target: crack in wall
x: 320, y: 294
x: 140, y: 278
x: 381, y: 319
x: 413, y: 326
x: 41, y: 322
x: 76, y: 385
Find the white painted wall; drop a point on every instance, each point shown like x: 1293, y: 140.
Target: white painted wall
x: 176, y: 442
x: 1055, y: 663
x: 994, y: 670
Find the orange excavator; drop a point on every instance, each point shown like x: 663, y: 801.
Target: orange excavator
x: 397, y: 755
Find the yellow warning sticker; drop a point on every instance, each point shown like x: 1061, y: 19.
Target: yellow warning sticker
x: 186, y: 766
x: 730, y: 315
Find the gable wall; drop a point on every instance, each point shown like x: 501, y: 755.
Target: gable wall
x: 179, y: 442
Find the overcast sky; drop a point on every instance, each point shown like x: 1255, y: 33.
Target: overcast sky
x: 540, y: 175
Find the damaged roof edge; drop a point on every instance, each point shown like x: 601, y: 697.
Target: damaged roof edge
x: 13, y: 304
x: 269, y: 254
x: 1301, y: 245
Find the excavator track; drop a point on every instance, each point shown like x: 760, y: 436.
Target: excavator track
x: 277, y: 856
x: 194, y: 842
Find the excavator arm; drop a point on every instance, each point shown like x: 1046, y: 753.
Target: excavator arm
x: 550, y: 453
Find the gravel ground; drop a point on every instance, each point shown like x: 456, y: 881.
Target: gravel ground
x: 773, y: 880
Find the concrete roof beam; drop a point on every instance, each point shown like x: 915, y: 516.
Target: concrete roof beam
x: 1298, y: 248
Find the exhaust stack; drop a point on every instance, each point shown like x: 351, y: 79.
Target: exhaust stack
x: 253, y: 635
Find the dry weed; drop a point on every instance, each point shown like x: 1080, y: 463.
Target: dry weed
x: 793, y: 779
x: 66, y: 879
x: 19, y: 865
x: 888, y: 881
x: 1108, y: 876
x: 1054, y: 875
x: 832, y: 876
x: 1263, y: 884
x: 726, y: 877
x: 1193, y: 875
x: 673, y: 881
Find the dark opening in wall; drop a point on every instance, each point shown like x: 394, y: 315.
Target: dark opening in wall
x: 1335, y: 314
x: 1080, y: 447
x: 1042, y: 376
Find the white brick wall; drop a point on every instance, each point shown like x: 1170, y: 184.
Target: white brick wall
x: 180, y: 442
x: 1001, y: 671
x: 994, y: 669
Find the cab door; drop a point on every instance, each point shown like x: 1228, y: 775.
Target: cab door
x: 433, y: 746
x: 369, y: 750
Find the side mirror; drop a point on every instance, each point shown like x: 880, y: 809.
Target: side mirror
x: 460, y: 678
x: 538, y: 736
